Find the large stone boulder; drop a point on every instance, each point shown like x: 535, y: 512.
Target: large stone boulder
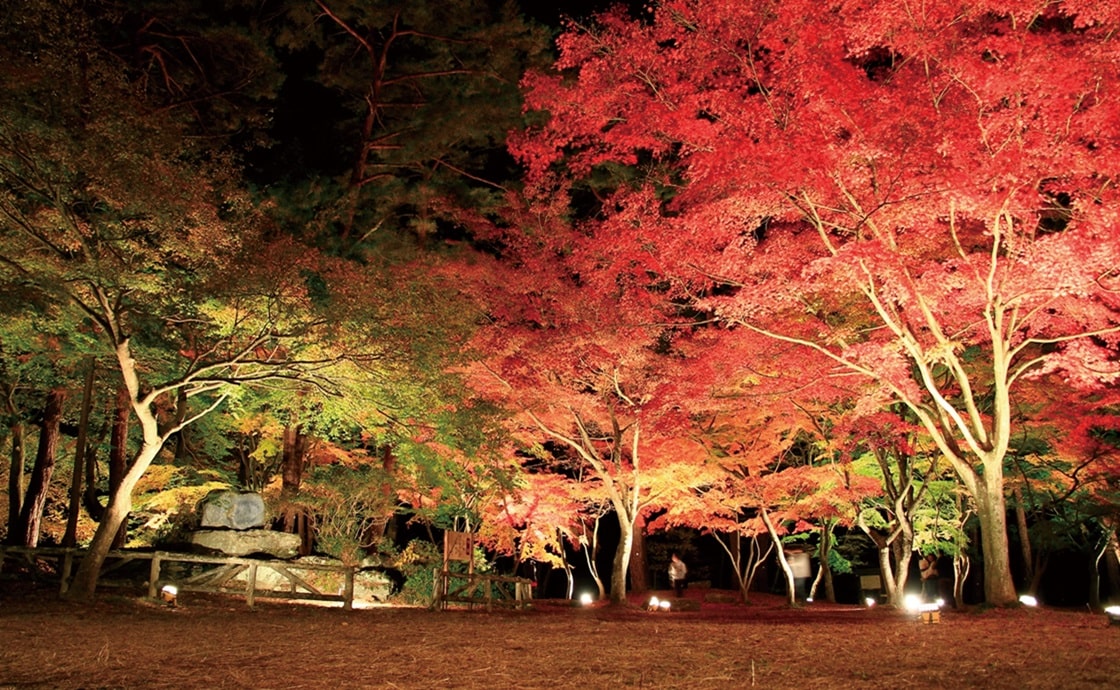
x: 247, y: 542
x: 233, y: 510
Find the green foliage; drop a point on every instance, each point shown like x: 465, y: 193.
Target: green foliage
x: 349, y: 508
x: 418, y: 562
x: 939, y: 521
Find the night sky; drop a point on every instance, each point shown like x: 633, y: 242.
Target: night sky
x: 551, y: 12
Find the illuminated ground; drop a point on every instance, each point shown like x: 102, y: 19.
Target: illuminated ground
x: 121, y: 642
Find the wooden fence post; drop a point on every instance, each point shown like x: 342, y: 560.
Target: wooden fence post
x: 67, y: 566
x: 348, y: 596
x: 153, y: 577
x: 251, y: 585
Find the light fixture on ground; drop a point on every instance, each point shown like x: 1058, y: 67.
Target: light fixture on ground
x: 586, y: 599
x: 169, y: 594
x: 1028, y: 600
x: 927, y: 612
x: 1113, y: 613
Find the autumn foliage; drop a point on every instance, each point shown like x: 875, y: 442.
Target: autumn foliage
x: 910, y: 191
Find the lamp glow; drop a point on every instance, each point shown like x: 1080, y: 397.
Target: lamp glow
x: 912, y: 602
x: 1028, y: 600
x: 666, y: 605
x: 1113, y: 614
x: 169, y: 594
x: 870, y: 601
x: 585, y: 599
x: 654, y: 604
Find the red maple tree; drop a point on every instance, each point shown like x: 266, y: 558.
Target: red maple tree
x: 907, y: 191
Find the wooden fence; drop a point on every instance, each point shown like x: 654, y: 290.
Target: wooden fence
x: 195, y: 573
x: 477, y: 588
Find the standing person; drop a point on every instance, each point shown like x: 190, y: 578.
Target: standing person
x: 802, y: 568
x: 928, y: 569
x: 678, y: 572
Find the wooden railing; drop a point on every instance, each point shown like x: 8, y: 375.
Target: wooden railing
x: 214, y: 574
x: 483, y: 589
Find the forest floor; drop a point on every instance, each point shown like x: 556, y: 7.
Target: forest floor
x: 218, y: 642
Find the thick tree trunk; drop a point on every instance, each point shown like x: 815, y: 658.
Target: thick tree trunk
x: 84, y: 583
x: 17, y: 467
x: 903, y: 551
x: 118, y: 456
x: 639, y: 570
x: 1112, y: 564
x: 621, y: 560
x: 31, y: 512
x: 75, y: 505
x: 999, y: 586
x: 826, y: 548
x: 292, y: 462
x: 886, y: 575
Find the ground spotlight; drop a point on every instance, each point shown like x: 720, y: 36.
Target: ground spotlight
x: 169, y: 594
x: 870, y: 601
x: 1113, y: 614
x: 654, y: 604
x: 926, y: 612
x: 1028, y: 600
x: 586, y: 599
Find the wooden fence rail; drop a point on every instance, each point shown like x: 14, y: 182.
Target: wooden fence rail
x: 477, y: 588
x: 215, y: 574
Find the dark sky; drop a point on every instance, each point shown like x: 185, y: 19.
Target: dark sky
x: 551, y: 12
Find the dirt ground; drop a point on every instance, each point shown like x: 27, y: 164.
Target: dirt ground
x: 216, y: 642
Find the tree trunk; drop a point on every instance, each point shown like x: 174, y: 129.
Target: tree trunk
x: 118, y: 456
x: 31, y: 512
x: 89, y: 496
x: 71, y: 536
x: 903, y: 549
x: 591, y: 555
x: 886, y: 575
x: 991, y: 511
x: 84, y: 583
x: 182, y: 439
x: 1025, y: 543
x: 1112, y: 565
x: 791, y: 586
x: 961, y: 566
x: 15, y: 482
x: 292, y: 462
x: 621, y: 559
x: 1095, y: 577
x: 639, y: 570
x: 744, y: 571
x: 120, y: 500
x: 826, y: 549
